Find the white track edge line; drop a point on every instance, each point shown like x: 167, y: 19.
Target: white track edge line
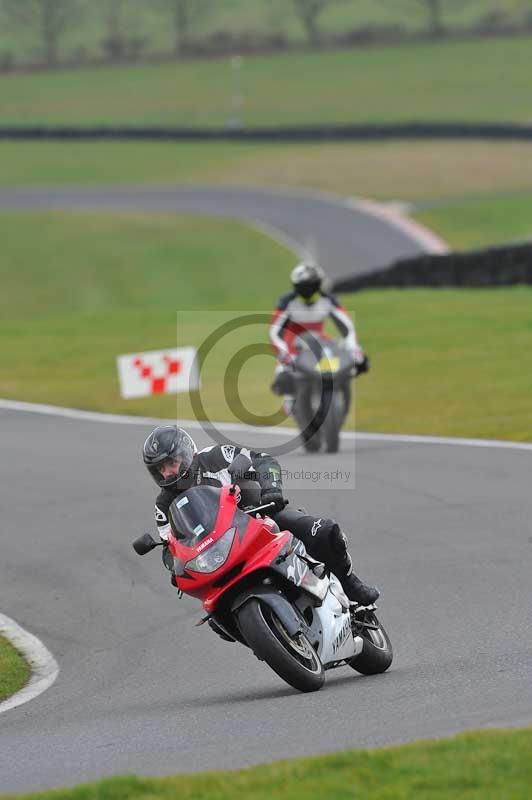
x: 428, y: 240
x: 44, y: 667
x: 119, y: 419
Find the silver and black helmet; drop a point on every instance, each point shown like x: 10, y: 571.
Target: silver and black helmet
x: 168, y: 444
x: 307, y: 279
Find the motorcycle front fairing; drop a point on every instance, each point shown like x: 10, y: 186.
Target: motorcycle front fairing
x: 216, y: 544
x: 322, y: 360
x: 218, y: 550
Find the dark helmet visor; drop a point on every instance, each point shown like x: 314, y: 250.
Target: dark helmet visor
x: 307, y: 288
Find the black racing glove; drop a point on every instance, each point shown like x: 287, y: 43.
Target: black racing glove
x: 273, y: 495
x: 363, y: 366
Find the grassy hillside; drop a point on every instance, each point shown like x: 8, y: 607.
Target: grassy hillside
x: 475, y: 80
x: 79, y: 289
x: 148, y: 21
x: 480, y: 221
x: 406, y: 171
x: 488, y: 765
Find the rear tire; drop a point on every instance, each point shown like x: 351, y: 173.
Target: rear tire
x: 377, y: 652
x: 293, y: 659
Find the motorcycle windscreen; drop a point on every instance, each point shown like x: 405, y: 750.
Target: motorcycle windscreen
x: 193, y: 514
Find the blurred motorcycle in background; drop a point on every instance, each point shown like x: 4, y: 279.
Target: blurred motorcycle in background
x: 321, y: 375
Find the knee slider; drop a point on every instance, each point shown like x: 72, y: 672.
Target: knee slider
x: 301, y: 526
x: 326, y: 533
x: 320, y: 529
x: 340, y: 563
x: 327, y: 543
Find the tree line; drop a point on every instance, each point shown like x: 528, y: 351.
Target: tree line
x: 50, y: 20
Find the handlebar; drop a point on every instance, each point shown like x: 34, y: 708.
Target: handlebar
x: 261, y: 508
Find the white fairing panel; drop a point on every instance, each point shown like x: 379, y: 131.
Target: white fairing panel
x: 337, y: 639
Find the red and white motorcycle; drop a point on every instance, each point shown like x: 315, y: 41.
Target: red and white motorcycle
x: 260, y: 588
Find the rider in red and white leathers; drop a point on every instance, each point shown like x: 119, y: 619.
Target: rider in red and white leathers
x: 307, y: 308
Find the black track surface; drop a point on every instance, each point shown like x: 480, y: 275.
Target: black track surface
x: 347, y: 241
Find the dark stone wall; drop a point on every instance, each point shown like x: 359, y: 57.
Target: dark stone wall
x: 295, y: 133
x: 497, y: 266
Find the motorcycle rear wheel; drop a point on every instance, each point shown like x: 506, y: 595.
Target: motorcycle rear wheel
x: 377, y: 652
x: 292, y: 658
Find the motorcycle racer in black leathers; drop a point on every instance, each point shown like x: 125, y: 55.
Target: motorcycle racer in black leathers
x: 175, y: 464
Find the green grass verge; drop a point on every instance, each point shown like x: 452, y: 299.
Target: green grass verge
x: 489, y: 765
x: 445, y: 362
x: 385, y: 170
x: 482, y: 221
x: 14, y: 669
x: 445, y: 81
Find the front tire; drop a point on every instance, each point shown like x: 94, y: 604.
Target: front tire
x: 292, y: 658
x: 306, y: 414
x: 313, y: 443
x: 377, y: 652
x: 333, y: 421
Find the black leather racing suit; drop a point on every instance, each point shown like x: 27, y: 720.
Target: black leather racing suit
x: 322, y: 537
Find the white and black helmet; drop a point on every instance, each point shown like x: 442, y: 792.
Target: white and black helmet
x: 168, y: 443
x: 307, y: 279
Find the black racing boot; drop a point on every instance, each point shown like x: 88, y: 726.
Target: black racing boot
x: 358, y: 591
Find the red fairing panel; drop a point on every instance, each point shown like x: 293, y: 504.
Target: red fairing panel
x: 255, y: 546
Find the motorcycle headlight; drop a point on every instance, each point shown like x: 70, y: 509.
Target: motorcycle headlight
x: 214, y: 556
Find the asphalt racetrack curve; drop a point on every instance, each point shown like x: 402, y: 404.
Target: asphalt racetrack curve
x: 346, y: 240
x: 443, y: 530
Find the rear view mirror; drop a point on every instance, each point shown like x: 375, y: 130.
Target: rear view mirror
x: 145, y: 544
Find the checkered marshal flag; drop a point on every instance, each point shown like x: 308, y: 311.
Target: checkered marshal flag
x: 158, y: 372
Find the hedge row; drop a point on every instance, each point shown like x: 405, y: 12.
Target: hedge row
x: 497, y: 266
x: 384, y: 131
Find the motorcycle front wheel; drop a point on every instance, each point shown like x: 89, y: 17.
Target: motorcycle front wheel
x: 292, y: 658
x: 306, y: 414
x: 334, y: 417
